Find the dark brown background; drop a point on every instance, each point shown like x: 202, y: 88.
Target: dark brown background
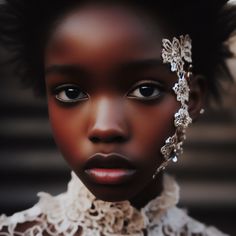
x: 30, y: 162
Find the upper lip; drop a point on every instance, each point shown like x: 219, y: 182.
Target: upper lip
x: 109, y: 161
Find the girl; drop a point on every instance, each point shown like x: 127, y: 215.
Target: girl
x: 123, y: 80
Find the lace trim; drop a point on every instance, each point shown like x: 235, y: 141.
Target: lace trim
x: 79, y: 210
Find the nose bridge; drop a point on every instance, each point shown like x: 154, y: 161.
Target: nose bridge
x: 108, y: 121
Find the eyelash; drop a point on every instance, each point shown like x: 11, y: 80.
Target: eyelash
x: 154, y: 85
x: 61, y: 92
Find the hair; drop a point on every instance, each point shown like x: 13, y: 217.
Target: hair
x: 25, y: 24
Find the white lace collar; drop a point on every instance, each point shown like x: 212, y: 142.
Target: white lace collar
x: 77, y: 210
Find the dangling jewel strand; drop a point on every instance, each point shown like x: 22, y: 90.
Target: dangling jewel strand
x: 177, y: 53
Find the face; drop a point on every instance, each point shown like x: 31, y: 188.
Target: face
x: 110, y: 98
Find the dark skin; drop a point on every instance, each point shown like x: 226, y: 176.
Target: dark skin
x: 108, y: 92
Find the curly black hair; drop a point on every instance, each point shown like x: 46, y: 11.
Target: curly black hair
x: 24, y: 28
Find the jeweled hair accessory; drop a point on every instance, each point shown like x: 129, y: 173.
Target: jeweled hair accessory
x: 177, y: 53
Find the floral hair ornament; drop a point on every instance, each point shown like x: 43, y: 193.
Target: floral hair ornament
x: 177, y: 53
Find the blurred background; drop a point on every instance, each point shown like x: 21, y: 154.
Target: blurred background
x: 30, y: 162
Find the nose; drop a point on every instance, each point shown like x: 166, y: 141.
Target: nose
x: 108, y: 123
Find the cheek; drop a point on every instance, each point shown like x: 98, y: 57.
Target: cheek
x: 69, y: 130
x: 152, y: 126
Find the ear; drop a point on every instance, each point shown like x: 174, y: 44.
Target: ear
x: 197, y: 96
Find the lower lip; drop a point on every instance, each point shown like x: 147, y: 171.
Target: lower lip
x: 110, y: 176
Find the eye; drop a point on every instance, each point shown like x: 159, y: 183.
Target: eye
x: 146, y: 91
x: 69, y: 93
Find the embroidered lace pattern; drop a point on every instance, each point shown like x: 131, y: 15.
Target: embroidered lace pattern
x: 78, y: 212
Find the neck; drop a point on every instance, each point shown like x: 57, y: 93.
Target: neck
x: 151, y: 191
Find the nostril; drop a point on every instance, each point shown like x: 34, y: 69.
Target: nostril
x: 119, y: 139
x: 108, y: 139
x: 94, y: 139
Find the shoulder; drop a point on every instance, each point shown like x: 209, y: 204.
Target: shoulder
x: 37, y: 221
x: 163, y: 217
x: 47, y: 217
x: 20, y: 221
x: 28, y: 228
x: 182, y: 222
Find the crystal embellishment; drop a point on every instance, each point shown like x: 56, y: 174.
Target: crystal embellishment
x: 175, y: 159
x: 182, y: 90
x: 182, y: 118
x: 177, y: 53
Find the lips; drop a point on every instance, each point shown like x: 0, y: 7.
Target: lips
x: 109, y: 169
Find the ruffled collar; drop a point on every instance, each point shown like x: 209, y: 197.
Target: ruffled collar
x: 79, y: 207
x: 78, y: 212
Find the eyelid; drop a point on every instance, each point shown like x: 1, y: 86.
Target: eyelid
x: 59, y: 88
x: 145, y: 82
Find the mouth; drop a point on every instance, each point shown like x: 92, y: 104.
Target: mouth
x: 109, y: 169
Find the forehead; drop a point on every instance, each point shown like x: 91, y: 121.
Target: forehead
x: 100, y: 39
x: 110, y: 17
x: 96, y: 24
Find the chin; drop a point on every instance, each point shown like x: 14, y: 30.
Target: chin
x: 112, y: 193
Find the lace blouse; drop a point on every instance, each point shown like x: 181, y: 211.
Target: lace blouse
x: 78, y: 212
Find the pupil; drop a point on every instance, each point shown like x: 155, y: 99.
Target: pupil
x: 72, y: 93
x: 146, y: 91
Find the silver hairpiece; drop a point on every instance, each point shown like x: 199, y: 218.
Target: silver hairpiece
x: 177, y: 53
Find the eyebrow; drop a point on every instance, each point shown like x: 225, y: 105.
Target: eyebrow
x: 77, y: 70
x: 142, y: 64
x: 70, y: 70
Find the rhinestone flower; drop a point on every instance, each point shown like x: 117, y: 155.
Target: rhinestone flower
x: 171, y: 53
x: 181, y: 89
x: 176, y: 52
x: 169, y: 147
x: 182, y: 118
